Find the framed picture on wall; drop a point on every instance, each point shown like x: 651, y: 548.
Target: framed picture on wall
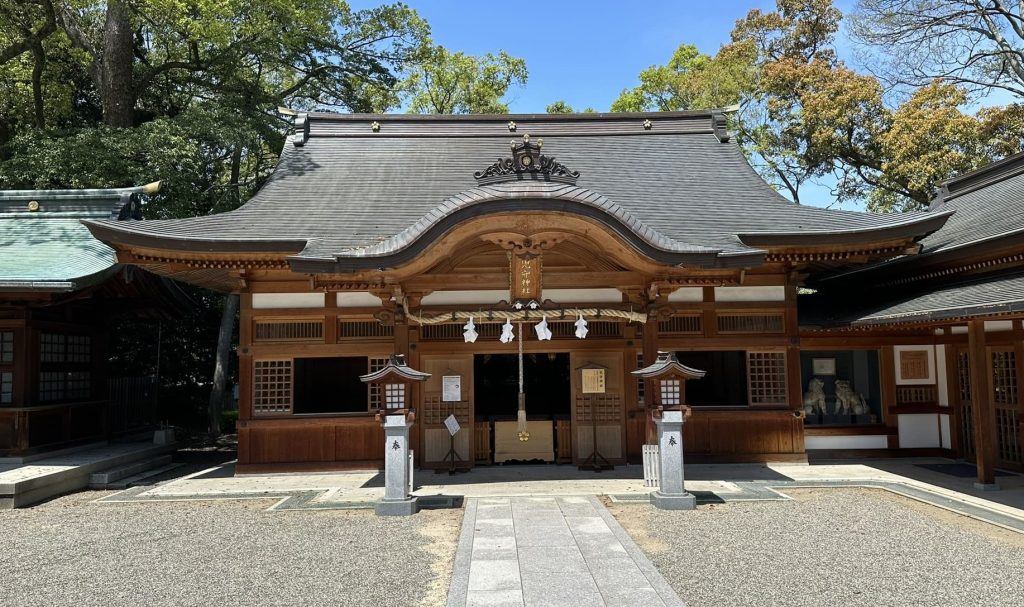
x: 823, y: 366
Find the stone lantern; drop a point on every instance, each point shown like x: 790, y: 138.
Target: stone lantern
x: 670, y: 413
x: 395, y: 381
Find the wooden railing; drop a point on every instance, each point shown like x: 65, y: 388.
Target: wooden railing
x: 28, y: 429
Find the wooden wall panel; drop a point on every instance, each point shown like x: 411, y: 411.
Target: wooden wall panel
x: 744, y: 435
x: 313, y: 441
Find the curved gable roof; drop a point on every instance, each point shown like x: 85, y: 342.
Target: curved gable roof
x: 343, y: 189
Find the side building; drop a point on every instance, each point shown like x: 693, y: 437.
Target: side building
x: 60, y: 290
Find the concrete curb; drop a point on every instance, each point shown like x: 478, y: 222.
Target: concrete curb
x: 458, y: 590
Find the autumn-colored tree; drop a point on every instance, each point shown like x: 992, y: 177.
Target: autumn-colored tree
x: 802, y: 115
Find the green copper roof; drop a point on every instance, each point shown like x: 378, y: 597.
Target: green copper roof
x: 43, y: 244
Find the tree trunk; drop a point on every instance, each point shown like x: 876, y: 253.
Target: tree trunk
x: 220, y: 369
x: 118, y: 56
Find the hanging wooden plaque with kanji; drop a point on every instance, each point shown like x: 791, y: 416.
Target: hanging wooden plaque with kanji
x: 525, y: 277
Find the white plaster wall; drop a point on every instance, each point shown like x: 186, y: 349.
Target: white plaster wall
x: 690, y: 294
x: 263, y: 301
x: 959, y: 330
x: 358, y: 299
x: 441, y: 298
x: 993, y: 326
x: 947, y: 442
x: 919, y: 430
x: 869, y: 441
x: 931, y: 365
x: 750, y: 293
x: 564, y: 296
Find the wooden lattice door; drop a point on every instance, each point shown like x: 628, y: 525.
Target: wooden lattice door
x: 964, y: 412
x: 1007, y: 406
x: 435, y: 409
x: 605, y: 409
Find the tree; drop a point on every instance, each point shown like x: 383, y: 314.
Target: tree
x: 457, y: 83
x: 561, y: 107
x: 135, y: 90
x: 690, y: 80
x: 978, y: 44
x: 803, y: 116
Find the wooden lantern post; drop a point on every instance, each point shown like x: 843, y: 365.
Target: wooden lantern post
x: 395, y: 381
x: 670, y: 413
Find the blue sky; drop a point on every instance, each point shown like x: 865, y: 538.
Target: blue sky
x: 586, y: 52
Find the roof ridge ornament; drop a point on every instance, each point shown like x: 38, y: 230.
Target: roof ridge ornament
x: 526, y: 163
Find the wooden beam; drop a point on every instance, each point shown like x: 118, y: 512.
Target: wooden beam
x: 982, y: 404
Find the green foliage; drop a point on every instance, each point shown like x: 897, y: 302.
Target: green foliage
x: 203, y: 81
x: 802, y: 115
x: 457, y: 83
x: 690, y: 80
x: 561, y: 107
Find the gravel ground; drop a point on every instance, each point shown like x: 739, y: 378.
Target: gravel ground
x: 72, y: 552
x: 830, y: 547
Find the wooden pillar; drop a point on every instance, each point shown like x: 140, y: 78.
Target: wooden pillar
x: 244, y: 357
x: 794, y: 383
x: 887, y: 359
x: 981, y: 404
x: 650, y: 386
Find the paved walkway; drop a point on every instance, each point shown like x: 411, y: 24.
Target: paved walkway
x: 558, y: 551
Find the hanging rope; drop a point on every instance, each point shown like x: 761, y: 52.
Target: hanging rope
x: 521, y: 414
x: 522, y: 315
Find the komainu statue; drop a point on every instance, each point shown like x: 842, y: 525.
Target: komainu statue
x: 814, y: 398
x: 849, y: 402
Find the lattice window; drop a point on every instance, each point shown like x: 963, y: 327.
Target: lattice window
x: 51, y: 348
x: 51, y: 386
x: 6, y: 347
x: 79, y: 348
x: 363, y: 329
x: 917, y: 395
x: 683, y: 324
x: 750, y: 323
x: 443, y: 332
x: 289, y: 330
x: 435, y: 410
x: 77, y: 384
x: 608, y: 408
x: 272, y: 387
x: 766, y: 378
x: 375, y: 364
x: 639, y: 382
x: 1004, y: 378
x: 6, y: 388
x: 963, y: 365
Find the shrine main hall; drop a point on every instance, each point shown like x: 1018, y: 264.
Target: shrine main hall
x: 531, y: 263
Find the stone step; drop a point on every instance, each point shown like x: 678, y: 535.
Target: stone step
x: 112, y: 475
x: 32, y: 483
x: 137, y: 479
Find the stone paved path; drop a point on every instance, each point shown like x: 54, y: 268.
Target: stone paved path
x: 558, y: 551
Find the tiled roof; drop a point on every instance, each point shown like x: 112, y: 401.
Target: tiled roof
x: 342, y: 188
x: 998, y: 294
x: 48, y: 248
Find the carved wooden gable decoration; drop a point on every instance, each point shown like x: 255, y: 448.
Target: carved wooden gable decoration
x: 526, y: 163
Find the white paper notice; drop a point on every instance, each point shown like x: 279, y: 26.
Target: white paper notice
x: 452, y: 424
x: 451, y: 388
